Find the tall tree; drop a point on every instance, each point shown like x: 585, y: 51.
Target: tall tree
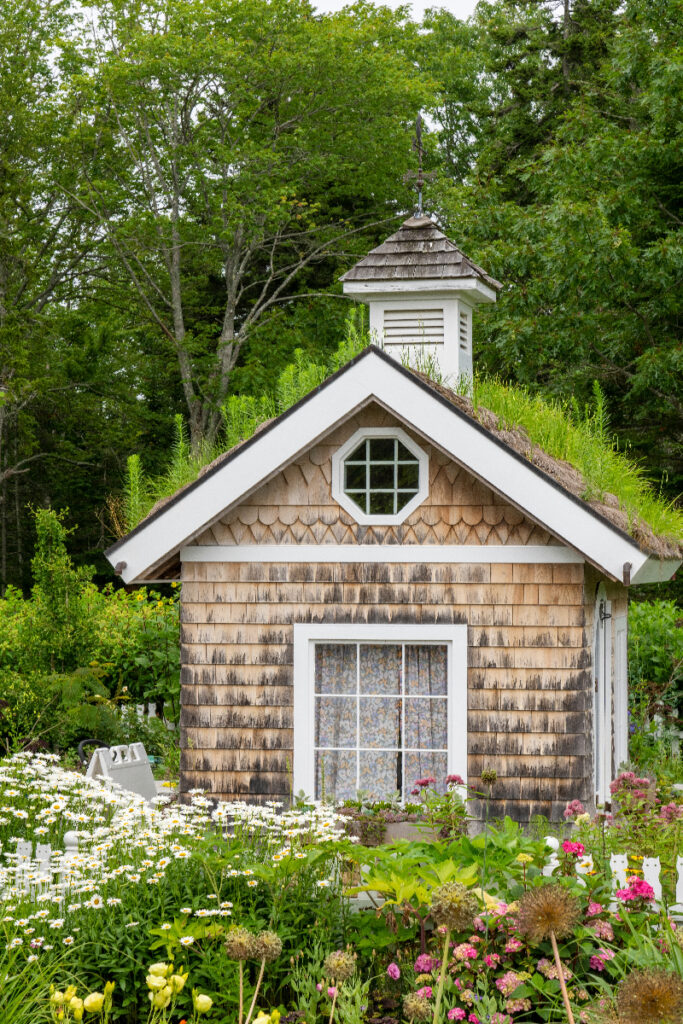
x: 223, y: 142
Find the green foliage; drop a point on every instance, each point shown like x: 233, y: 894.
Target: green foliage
x: 242, y: 415
x: 72, y: 656
x: 655, y: 666
x: 582, y: 438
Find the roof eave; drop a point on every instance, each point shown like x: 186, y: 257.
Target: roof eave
x: 379, y: 378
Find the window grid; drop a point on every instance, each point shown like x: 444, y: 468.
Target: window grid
x: 406, y: 493
x: 402, y: 696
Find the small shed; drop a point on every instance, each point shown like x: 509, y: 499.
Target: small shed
x: 381, y: 585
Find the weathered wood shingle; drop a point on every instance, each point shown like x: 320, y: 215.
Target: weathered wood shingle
x: 417, y: 251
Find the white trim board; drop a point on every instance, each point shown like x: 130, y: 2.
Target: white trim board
x: 452, y: 553
x: 306, y: 635
x: 374, y: 376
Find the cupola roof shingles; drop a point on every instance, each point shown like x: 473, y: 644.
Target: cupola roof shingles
x: 417, y: 251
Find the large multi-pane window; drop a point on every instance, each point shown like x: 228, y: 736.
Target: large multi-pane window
x: 375, y: 715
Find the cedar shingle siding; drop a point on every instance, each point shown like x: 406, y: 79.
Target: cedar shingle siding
x: 529, y: 679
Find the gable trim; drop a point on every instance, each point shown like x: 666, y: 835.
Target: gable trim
x: 374, y: 376
x: 528, y: 554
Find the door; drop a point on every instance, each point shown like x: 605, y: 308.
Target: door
x: 602, y: 697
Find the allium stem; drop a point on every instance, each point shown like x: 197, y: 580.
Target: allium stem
x: 241, y: 963
x: 442, y: 977
x: 334, y: 1003
x: 256, y: 990
x: 560, y: 976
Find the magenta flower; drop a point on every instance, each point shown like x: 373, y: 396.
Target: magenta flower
x: 425, y: 992
x: 491, y: 959
x: 512, y: 945
x: 415, y: 792
x: 394, y: 971
x: 332, y: 991
x: 638, y: 888
x: 593, y: 909
x: 473, y: 1019
x: 456, y: 1014
x: 573, y: 849
x: 319, y: 986
x: 455, y: 780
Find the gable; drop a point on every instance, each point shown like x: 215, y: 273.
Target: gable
x: 373, y: 376
x: 297, y: 506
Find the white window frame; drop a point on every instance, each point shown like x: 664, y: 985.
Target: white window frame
x: 350, y: 505
x: 307, y: 635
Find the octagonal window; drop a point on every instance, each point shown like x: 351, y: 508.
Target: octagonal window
x: 380, y: 475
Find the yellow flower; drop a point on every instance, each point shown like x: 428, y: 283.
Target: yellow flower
x: 202, y: 1003
x: 156, y: 982
x: 159, y: 970
x: 69, y: 993
x: 177, y: 982
x: 94, y: 1002
x: 57, y: 998
x: 75, y: 1003
x: 160, y: 1000
x: 524, y: 858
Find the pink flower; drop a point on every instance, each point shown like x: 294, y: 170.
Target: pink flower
x: 512, y: 945
x: 319, y: 986
x: 573, y: 809
x: 332, y: 991
x: 593, y: 909
x: 456, y: 1014
x: 603, y: 930
x: 670, y: 812
x: 491, y: 959
x: 426, y: 963
x: 428, y: 780
x: 415, y: 792
x: 479, y: 924
x: 465, y: 951
x: 394, y: 971
x: 638, y: 888
x: 598, y: 961
x: 573, y: 849
x: 425, y: 992
x: 473, y: 1019
x: 455, y: 780
x: 508, y: 983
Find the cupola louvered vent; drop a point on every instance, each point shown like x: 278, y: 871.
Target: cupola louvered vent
x: 413, y: 327
x: 464, y: 331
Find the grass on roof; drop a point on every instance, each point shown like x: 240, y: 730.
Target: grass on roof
x: 579, y: 436
x: 582, y: 437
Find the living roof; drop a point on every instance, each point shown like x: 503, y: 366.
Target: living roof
x: 564, y: 478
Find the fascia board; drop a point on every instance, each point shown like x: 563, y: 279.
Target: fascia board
x: 655, y: 570
x: 376, y: 377
x: 436, y: 288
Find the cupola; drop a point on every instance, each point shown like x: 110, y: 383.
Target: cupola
x: 422, y: 290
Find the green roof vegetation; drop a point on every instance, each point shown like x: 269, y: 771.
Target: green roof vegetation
x: 563, y: 430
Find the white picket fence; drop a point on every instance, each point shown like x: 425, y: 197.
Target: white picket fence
x: 650, y: 866
x: 36, y: 873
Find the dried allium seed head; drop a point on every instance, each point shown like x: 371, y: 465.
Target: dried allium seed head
x: 489, y: 776
x: 416, y: 1007
x: 339, y: 965
x: 268, y: 946
x: 240, y: 944
x: 650, y: 997
x: 546, y: 909
x: 454, y: 906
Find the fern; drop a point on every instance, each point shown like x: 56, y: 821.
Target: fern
x: 136, y: 498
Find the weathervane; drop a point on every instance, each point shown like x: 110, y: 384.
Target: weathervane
x: 419, y: 176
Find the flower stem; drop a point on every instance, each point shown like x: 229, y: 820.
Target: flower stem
x: 258, y: 986
x: 442, y: 976
x: 334, y: 1003
x: 241, y: 990
x: 560, y: 975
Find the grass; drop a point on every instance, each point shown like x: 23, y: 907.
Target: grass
x: 581, y: 437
